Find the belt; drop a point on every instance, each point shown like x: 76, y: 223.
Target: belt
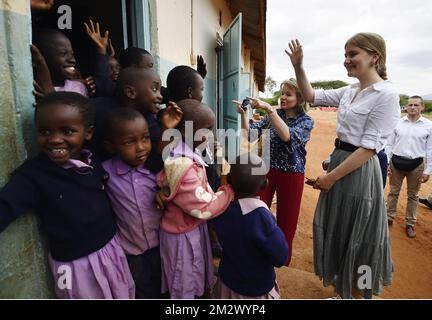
x: 339, y: 144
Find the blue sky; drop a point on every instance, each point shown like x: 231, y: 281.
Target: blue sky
x: 324, y: 26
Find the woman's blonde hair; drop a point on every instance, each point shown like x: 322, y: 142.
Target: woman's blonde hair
x: 302, y: 105
x: 372, y: 43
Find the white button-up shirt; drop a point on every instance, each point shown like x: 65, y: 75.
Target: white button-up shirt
x: 412, y: 140
x: 366, y: 118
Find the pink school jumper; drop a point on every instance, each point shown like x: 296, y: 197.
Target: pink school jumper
x: 187, y: 266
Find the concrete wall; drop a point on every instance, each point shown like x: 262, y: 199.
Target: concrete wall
x: 23, y: 268
x: 174, y: 39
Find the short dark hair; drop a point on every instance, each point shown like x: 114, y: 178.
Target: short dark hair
x: 417, y: 97
x: 179, y: 79
x: 44, y: 36
x: 73, y: 99
x: 241, y: 177
x: 131, y: 56
x: 120, y: 115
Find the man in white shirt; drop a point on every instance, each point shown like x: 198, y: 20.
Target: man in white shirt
x: 410, y: 149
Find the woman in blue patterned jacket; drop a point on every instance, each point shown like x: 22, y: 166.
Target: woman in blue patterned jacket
x: 289, y: 128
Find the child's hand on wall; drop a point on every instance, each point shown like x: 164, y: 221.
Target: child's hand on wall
x: 100, y: 41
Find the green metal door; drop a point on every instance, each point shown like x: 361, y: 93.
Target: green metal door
x: 231, y: 80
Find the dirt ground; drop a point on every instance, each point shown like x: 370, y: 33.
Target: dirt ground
x: 412, y: 258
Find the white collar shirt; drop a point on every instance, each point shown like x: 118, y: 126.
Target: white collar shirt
x: 412, y: 139
x: 366, y: 118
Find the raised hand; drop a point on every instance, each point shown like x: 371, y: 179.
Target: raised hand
x: 100, y: 41
x: 172, y: 116
x: 295, y: 53
x: 111, y: 50
x: 201, y: 66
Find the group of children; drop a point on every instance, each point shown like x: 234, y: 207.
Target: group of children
x: 100, y: 167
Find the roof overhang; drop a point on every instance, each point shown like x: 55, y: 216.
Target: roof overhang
x: 253, y: 33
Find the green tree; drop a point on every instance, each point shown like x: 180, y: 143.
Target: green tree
x: 270, y: 85
x: 328, y: 84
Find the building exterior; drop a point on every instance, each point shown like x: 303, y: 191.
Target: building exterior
x: 229, y: 34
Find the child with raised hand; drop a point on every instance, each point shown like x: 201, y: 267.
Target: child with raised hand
x: 186, y: 256
x: 252, y: 242
x: 57, y: 51
x: 132, y: 187
x: 107, y: 68
x: 64, y: 185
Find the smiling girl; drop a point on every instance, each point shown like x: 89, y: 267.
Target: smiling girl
x: 64, y: 185
x: 350, y: 224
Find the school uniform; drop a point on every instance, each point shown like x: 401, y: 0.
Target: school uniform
x: 187, y: 262
x: 79, y: 223
x: 411, y: 141
x: 350, y: 224
x: 73, y: 86
x: 252, y: 245
x: 132, y: 191
x: 286, y: 174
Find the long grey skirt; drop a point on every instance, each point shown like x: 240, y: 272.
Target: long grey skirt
x: 351, y: 238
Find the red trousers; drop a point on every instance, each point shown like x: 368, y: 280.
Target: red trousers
x: 289, y: 189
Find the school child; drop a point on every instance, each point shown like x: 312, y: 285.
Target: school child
x: 183, y: 82
x: 58, y: 53
x: 64, y: 185
x: 136, y: 57
x: 107, y: 68
x: 186, y: 256
x: 137, y: 88
x: 131, y: 187
x: 252, y: 242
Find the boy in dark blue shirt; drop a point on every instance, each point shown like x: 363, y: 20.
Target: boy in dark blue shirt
x: 252, y: 242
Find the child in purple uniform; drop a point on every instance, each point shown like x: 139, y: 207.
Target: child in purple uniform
x: 132, y: 187
x: 186, y: 256
x: 65, y: 188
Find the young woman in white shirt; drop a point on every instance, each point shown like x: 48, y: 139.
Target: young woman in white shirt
x: 351, y: 241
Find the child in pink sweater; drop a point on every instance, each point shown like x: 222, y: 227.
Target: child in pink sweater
x: 184, y: 240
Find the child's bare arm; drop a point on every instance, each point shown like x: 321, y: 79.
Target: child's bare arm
x: 41, y: 72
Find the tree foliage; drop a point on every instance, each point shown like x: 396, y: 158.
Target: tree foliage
x: 328, y: 84
x: 270, y: 84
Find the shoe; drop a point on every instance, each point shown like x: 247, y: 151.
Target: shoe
x: 410, y: 231
x: 390, y: 222
x: 425, y: 202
